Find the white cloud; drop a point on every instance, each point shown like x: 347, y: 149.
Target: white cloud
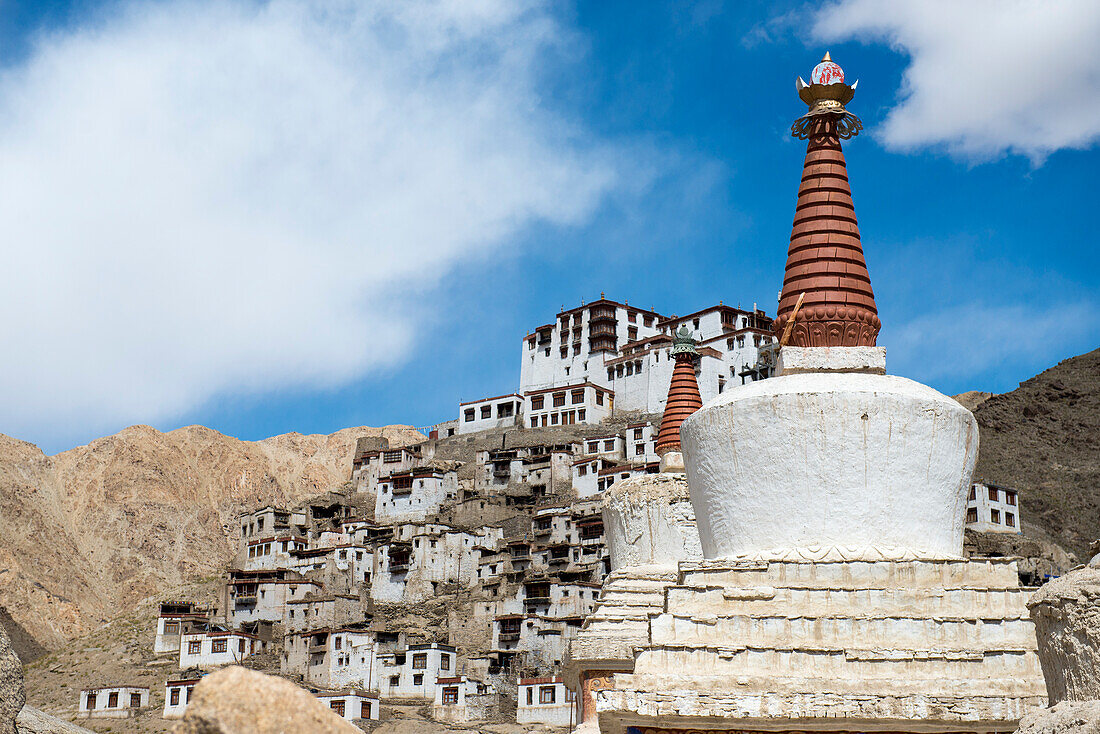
x: 215, y: 196
x: 985, y: 77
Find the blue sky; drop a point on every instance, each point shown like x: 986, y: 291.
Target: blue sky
x: 349, y: 267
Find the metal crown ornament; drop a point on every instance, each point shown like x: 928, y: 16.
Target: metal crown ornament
x: 826, y: 96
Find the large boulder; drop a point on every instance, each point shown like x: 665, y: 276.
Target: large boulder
x: 12, y: 694
x: 1066, y: 613
x: 33, y: 721
x: 239, y: 701
x: 1068, y: 717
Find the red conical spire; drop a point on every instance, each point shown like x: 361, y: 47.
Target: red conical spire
x: 683, y: 393
x: 825, y: 259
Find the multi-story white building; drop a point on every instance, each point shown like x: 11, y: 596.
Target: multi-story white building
x: 261, y: 596
x: 993, y: 509
x: 499, y: 412
x: 374, y: 459
x: 586, y: 474
x: 641, y: 443
x: 574, y: 348
x: 414, y: 672
x: 545, y: 468
x: 422, y: 558
x: 544, y: 701
x: 269, y: 521
x: 333, y: 658
x: 119, y: 702
x: 414, y: 495
x: 175, y: 619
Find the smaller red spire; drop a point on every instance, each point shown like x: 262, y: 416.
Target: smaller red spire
x: 683, y: 393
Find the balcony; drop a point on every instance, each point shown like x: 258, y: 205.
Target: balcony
x: 502, y: 471
x: 544, y: 531
x: 399, y: 566
x: 245, y: 600
x: 536, y: 601
x: 601, y: 314
x: 508, y: 636
x: 558, y: 560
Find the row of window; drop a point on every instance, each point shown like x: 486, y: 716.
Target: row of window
x: 504, y: 410
x: 112, y: 700
x: 994, y: 517
x: 194, y: 647
x: 995, y: 495
x: 567, y: 418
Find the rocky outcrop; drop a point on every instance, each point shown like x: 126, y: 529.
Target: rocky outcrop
x: 1066, y: 612
x: 33, y: 721
x: 12, y: 695
x: 1068, y: 717
x: 239, y: 701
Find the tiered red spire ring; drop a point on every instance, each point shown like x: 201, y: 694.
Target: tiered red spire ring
x: 825, y: 259
x: 683, y: 394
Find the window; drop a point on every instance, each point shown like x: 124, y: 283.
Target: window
x: 469, y: 415
x: 172, y: 628
x: 637, y: 434
x: 187, y: 697
x: 599, y: 398
x: 580, y: 415
x: 973, y: 495
x: 445, y: 660
x: 639, y: 449
x: 995, y: 516
x: 695, y: 324
x: 1010, y: 498
x: 420, y: 661
x: 450, y: 695
x: 418, y: 679
x: 174, y: 697
x: 217, y: 646
x: 194, y: 647
x: 609, y: 445
x: 554, y: 419
x: 993, y: 493
x: 546, y: 694
x: 578, y: 397
x: 505, y: 410
x: 632, y: 332
x: 972, y: 514
x: 648, y: 321
x: 364, y: 710
x: 135, y: 700
x: 337, y: 706
x: 632, y: 317
x: 395, y: 680
x: 536, y: 402
x: 112, y: 700
x: 530, y: 696
x: 582, y: 470
x: 240, y: 646
x: 486, y: 411
x: 593, y: 447
x: 559, y: 399
x: 90, y: 702
x: 1010, y: 520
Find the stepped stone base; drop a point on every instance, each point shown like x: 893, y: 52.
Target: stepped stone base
x: 924, y: 645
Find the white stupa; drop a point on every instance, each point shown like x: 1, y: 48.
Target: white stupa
x: 832, y: 594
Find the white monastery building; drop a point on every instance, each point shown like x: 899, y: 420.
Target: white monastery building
x: 351, y: 704
x: 992, y: 509
x: 606, y: 356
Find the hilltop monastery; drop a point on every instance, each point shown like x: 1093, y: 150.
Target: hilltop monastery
x: 717, y: 522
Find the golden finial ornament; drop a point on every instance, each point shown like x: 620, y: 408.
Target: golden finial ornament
x: 826, y: 94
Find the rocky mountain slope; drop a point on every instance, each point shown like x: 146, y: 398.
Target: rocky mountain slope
x: 1044, y: 439
x: 89, y: 532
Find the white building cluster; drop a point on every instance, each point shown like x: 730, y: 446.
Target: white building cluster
x: 606, y: 356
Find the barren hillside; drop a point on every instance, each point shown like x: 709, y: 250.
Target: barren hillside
x: 89, y: 532
x: 1044, y: 439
